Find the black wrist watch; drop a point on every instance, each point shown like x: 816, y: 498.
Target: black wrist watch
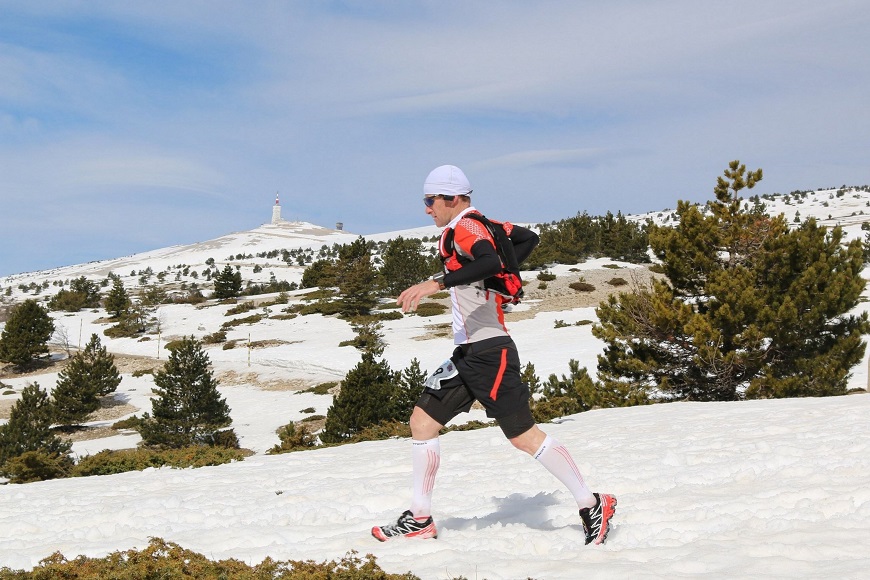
x: 439, y: 277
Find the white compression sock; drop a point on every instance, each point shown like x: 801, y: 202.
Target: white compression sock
x: 426, y: 457
x: 557, y: 460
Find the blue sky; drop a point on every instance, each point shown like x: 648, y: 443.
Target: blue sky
x: 129, y: 126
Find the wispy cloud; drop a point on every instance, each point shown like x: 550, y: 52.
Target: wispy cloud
x: 337, y: 104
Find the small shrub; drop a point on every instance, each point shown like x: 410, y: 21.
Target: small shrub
x: 108, y: 462
x: 560, y: 406
x: 229, y: 345
x: 394, y: 315
x: 215, y: 337
x: 381, y: 431
x: 657, y: 268
x: 162, y: 559
x: 253, y: 319
x: 173, y: 344
x: 617, y: 281
x: 561, y: 324
x: 583, y: 322
x: 308, y: 410
x: 122, y: 330
x: 470, y: 426
x: 313, y: 418
x: 611, y: 266
x: 37, y: 466
x: 142, y: 372
x: 226, y: 439
x: 321, y: 294
x: 241, y: 308
x: 581, y: 286
x: 324, y: 308
x: 431, y: 309
x: 293, y: 438
x: 546, y: 276
x: 321, y: 389
x: 284, y: 316
x: 128, y: 423
x: 189, y: 298
x: 542, y: 286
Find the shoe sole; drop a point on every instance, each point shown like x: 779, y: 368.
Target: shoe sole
x: 608, y: 508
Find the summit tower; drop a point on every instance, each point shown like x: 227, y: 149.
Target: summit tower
x: 276, y: 210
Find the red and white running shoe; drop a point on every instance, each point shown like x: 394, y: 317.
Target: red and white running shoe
x: 406, y: 527
x: 596, y: 520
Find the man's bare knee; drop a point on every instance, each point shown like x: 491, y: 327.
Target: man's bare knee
x: 423, y: 427
x: 530, y: 441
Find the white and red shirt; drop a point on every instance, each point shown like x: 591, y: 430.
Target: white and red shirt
x: 477, y: 312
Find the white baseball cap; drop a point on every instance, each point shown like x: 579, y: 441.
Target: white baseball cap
x: 446, y: 180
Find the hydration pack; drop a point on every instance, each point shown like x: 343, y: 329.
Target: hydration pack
x: 506, y: 283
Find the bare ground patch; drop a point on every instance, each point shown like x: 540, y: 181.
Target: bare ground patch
x: 88, y: 434
x: 435, y: 331
x: 558, y: 295
x: 6, y: 404
x: 233, y: 378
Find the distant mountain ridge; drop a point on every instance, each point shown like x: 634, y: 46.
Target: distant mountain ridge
x: 846, y: 206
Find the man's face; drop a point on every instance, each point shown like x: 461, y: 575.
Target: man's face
x: 441, y: 210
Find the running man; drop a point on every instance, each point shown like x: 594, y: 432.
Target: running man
x: 484, y: 367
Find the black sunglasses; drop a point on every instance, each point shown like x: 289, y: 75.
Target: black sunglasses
x: 429, y: 200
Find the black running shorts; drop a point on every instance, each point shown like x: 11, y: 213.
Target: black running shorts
x: 489, y: 372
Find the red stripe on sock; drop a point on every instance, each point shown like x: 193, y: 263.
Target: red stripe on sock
x: 561, y: 450
x: 431, y: 470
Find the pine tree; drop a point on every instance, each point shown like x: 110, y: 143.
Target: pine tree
x: 749, y: 308
x: 411, y: 383
x: 530, y: 377
x: 89, y: 290
x: 29, y: 430
x: 188, y: 409
x: 356, y: 278
x: 118, y: 301
x: 26, y: 334
x: 90, y: 374
x: 319, y: 273
x: 365, y: 399
x: 227, y: 283
x: 405, y: 264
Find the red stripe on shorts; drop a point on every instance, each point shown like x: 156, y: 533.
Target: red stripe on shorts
x: 494, y: 392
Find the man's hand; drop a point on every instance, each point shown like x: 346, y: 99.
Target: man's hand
x: 410, y: 298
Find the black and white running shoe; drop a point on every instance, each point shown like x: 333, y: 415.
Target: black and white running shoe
x: 406, y: 527
x: 596, y: 520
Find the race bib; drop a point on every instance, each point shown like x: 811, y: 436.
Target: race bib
x: 446, y: 371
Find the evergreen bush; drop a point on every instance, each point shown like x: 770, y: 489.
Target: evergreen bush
x: 26, y: 334
x: 293, y: 438
x: 120, y: 461
x: 430, y: 309
x: 582, y: 286
x: 749, y: 307
x: 90, y: 374
x: 365, y: 399
x: 37, y: 466
x: 188, y: 408
x: 29, y: 429
x: 165, y: 560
